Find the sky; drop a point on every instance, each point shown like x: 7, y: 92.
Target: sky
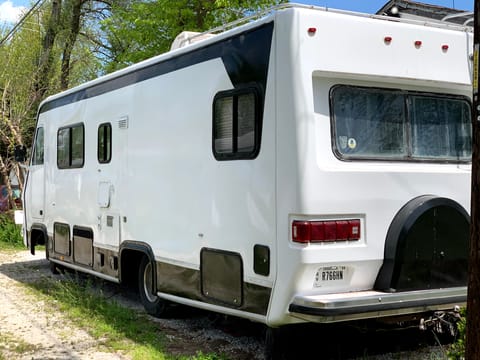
x: 11, y: 10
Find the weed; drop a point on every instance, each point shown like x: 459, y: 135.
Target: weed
x: 457, y: 349
x: 10, y: 234
x: 12, y: 345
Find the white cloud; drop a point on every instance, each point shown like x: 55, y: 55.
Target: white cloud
x: 9, y: 12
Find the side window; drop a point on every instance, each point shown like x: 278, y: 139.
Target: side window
x: 104, y: 143
x: 236, y: 124
x: 71, y: 146
x: 38, y: 150
x: 384, y: 124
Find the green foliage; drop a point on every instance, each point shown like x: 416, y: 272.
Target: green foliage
x: 10, y: 234
x: 457, y: 349
x: 138, y: 30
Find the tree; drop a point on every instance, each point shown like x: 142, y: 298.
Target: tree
x: 138, y: 30
x: 47, y: 54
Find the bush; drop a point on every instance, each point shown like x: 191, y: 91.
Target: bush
x: 457, y: 349
x: 10, y: 233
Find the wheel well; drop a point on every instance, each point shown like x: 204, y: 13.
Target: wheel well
x: 38, y: 237
x: 129, y: 265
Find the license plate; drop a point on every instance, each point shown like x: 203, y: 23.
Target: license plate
x: 330, y: 275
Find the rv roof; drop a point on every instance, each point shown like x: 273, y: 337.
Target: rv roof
x: 442, y: 17
x: 239, y: 26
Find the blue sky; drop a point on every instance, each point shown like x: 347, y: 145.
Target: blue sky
x: 10, y: 10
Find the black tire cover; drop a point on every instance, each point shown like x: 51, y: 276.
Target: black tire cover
x: 426, y: 246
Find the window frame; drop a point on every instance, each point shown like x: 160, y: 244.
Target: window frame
x: 70, y: 150
x: 235, y: 154
x: 408, y: 95
x: 107, y: 145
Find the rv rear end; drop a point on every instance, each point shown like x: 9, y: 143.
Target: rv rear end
x: 311, y: 166
x: 373, y: 167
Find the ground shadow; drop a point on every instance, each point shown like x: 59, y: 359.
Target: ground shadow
x: 206, y: 331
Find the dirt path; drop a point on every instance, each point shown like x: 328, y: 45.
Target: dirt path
x: 30, y: 329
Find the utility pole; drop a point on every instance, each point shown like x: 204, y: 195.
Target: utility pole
x: 472, y: 348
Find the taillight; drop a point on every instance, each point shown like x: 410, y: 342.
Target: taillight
x: 324, y: 231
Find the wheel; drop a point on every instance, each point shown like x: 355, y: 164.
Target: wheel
x: 151, y: 302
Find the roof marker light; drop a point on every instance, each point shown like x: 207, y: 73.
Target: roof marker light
x: 387, y: 40
x: 444, y: 47
x: 418, y: 44
x: 312, y: 31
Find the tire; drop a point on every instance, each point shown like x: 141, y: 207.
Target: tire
x: 153, y: 304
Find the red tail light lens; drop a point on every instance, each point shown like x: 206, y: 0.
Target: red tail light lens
x: 330, y: 231
x: 324, y: 231
x: 301, y: 232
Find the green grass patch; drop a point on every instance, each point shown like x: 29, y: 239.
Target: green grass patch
x: 10, y: 234
x: 118, y: 329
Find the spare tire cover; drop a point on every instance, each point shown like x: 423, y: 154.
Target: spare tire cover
x: 426, y: 246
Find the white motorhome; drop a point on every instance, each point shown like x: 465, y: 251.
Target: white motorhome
x: 312, y: 165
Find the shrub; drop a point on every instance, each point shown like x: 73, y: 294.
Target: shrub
x: 457, y: 349
x: 10, y: 233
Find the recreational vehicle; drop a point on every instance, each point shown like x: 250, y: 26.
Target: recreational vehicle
x: 310, y: 165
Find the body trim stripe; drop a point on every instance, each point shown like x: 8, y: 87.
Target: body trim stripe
x: 245, y: 56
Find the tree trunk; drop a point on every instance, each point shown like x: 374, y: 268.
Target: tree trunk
x: 46, y: 58
x: 472, y: 348
x: 73, y: 31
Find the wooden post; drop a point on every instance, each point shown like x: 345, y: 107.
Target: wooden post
x: 472, y: 348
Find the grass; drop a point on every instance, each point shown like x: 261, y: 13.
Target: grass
x: 13, y: 346
x: 118, y: 329
x: 10, y: 234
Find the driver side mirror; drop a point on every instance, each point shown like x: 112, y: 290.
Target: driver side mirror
x: 20, y: 153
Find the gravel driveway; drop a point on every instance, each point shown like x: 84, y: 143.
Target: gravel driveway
x: 31, y: 330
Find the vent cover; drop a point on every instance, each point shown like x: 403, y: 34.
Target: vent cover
x: 123, y: 122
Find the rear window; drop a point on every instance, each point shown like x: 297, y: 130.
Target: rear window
x: 384, y: 124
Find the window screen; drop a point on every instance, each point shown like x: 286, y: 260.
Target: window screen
x: 440, y: 128
x: 391, y: 124
x: 70, y: 147
x: 236, y: 125
x: 104, y: 148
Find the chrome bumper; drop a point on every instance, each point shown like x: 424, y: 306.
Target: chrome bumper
x: 374, y: 304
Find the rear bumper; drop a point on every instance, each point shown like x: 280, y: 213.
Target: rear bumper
x: 374, y: 304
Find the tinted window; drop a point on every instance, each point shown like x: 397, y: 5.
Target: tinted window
x: 38, y: 150
x: 104, y: 147
x: 70, y: 146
